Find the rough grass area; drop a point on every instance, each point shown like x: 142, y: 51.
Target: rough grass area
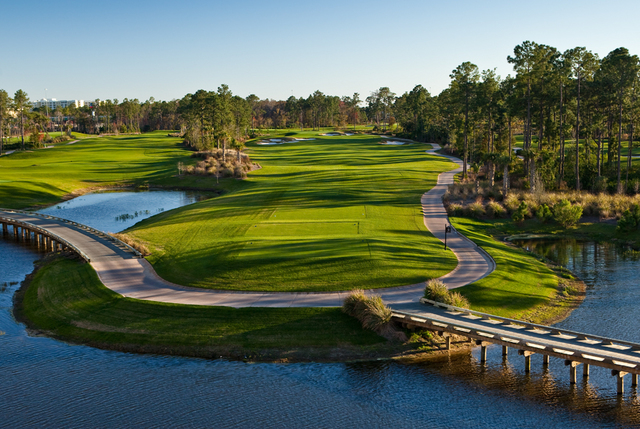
x: 521, y: 287
x: 44, y: 176
x: 334, y: 213
x: 66, y: 299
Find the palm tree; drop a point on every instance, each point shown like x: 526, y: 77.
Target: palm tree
x: 20, y: 102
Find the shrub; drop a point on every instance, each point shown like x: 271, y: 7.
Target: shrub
x: 600, y: 184
x: 520, y: 215
x: 495, y: 209
x: 476, y: 209
x: 457, y: 300
x: 630, y: 219
x: 544, y: 213
x: 511, y: 202
x: 370, y: 311
x: 375, y: 314
x: 436, y: 290
x: 455, y: 209
x: 239, y: 172
x: 352, y: 303
x: 566, y: 214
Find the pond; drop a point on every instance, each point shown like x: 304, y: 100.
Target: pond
x: 49, y: 383
x: 114, y: 211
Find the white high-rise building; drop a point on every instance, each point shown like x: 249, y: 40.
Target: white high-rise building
x: 52, y: 103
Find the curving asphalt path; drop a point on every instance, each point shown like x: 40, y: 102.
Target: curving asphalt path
x: 129, y: 276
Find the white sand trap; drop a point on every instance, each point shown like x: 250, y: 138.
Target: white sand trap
x: 331, y: 134
x: 303, y: 140
x: 75, y: 141
x: 267, y: 143
x: 9, y: 152
x: 276, y: 140
x: 349, y: 134
x: 48, y: 147
x: 385, y: 137
x: 395, y: 143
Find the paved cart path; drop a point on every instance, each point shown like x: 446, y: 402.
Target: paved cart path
x: 132, y: 277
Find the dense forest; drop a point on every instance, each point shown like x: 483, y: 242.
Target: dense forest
x: 553, y: 100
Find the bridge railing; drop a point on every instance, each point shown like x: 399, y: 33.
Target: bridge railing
x: 79, y: 225
x: 532, y: 326
x: 46, y: 232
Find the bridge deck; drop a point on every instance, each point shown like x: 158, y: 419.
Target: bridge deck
x: 569, y: 345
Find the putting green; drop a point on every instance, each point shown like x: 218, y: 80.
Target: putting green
x: 334, y: 213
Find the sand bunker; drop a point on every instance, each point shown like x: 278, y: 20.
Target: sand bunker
x: 393, y: 142
x: 272, y: 142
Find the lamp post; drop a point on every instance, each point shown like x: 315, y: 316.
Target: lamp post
x: 447, y: 230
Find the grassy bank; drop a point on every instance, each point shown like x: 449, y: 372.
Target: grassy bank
x: 44, y: 176
x: 333, y: 213
x: 66, y: 300
x: 522, y: 286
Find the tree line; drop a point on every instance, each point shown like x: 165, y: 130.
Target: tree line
x: 574, y: 112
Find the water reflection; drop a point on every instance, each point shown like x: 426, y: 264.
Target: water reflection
x: 116, y: 211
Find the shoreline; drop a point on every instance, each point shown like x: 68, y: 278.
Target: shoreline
x: 556, y: 310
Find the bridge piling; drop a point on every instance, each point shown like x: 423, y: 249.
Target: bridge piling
x: 505, y: 351
x: 634, y: 380
x: 527, y: 359
x: 620, y: 379
x: 483, y: 350
x: 585, y: 370
x: 5, y: 229
x: 545, y: 360
x: 573, y: 369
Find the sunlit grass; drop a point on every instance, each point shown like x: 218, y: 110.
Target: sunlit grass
x: 335, y: 213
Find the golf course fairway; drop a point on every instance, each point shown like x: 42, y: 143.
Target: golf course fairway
x: 334, y: 213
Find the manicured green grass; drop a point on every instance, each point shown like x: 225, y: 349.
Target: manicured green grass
x: 335, y: 213
x: 519, y: 286
x: 66, y: 298
x: 43, y: 176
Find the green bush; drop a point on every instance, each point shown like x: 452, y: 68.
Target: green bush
x: 566, y: 214
x: 544, y: 213
x: 520, y: 214
x: 630, y: 219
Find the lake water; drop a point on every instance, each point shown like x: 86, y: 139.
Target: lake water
x: 116, y: 211
x: 48, y: 383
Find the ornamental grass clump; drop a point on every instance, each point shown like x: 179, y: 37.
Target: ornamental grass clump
x: 495, y: 209
x: 456, y: 299
x: 369, y: 310
x: 436, y: 290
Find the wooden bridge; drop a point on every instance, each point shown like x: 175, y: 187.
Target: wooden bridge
x: 575, y: 348
x: 48, y: 235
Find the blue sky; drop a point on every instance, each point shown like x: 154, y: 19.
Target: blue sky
x: 274, y: 49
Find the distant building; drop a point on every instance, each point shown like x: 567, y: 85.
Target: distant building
x: 52, y: 103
